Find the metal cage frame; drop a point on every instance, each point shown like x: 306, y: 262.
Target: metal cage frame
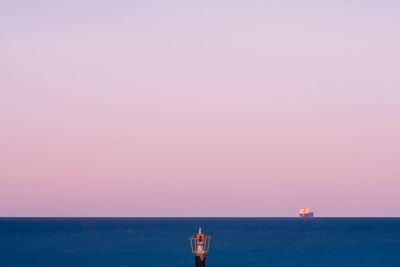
x: 195, y: 241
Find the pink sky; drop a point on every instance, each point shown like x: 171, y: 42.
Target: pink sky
x: 203, y: 108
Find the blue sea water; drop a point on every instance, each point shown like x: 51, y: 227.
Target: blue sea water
x: 318, y: 242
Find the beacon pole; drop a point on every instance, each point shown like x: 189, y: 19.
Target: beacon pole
x: 200, y: 246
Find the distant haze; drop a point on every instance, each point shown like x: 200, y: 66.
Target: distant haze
x: 199, y: 108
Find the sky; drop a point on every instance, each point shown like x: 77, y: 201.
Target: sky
x: 199, y: 108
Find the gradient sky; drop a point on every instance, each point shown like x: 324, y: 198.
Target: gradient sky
x: 199, y: 108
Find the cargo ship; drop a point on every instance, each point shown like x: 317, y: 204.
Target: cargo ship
x: 306, y: 213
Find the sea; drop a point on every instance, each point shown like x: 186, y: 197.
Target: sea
x: 151, y: 242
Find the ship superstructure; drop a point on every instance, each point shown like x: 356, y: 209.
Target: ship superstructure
x: 305, y: 213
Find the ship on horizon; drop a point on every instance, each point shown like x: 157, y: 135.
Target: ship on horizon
x: 306, y: 213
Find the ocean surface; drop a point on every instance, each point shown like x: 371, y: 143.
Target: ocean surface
x: 151, y: 242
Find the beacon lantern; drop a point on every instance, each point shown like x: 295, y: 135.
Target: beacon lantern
x: 200, y: 246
